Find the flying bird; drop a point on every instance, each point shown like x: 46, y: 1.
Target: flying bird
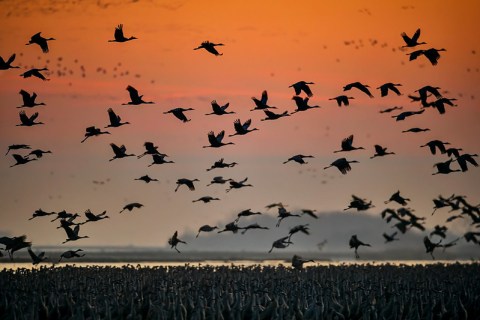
x: 146, y: 179
x: 465, y: 159
x: 413, y: 41
x: 71, y: 254
x: 359, y: 204
x: 416, y: 130
x: 302, y: 104
x: 179, y: 113
x: 439, y: 104
x: 342, y: 99
x: 303, y: 228
x: 310, y: 213
x: 115, y: 120
x: 355, y: 243
x: 254, y: 226
x: 359, y: 86
x: 298, y: 158
x: 132, y: 206
x: 283, y: 214
x: 216, y: 140
x: 21, y: 159
x: 205, y: 199
x: 5, y: 65
x: 206, y: 228
x: 238, y: 184
x: 444, y: 167
x: 347, y: 145
x: 120, y: 152
x: 174, y: 241
x: 398, y: 199
x: 388, y: 110
x: 41, y: 213
x: 218, y: 180
x: 17, y: 147
x: 29, y: 100
x: 93, y: 132
x: 92, y: 217
x: 389, y: 86
x: 41, y: 41
x: 435, y: 145
x: 405, y: 114
x: 281, y: 243
x: 380, y: 151
x: 221, y: 164
x: 242, y: 129
x: 246, y: 213
x: 430, y: 246
x: 36, y: 258
x: 35, y: 73
x: 151, y: 149
x: 219, y: 110
x: 262, y: 103
x: 210, y: 47
x: 302, y: 86
x: 38, y: 153
x: 72, y: 234
x: 186, y: 182
x: 230, y: 227
x: 431, y: 54
x: 274, y: 116
x: 135, y: 99
x: 119, y: 37
x: 298, y: 262
x: 27, y: 121
x: 342, y: 164
x: 390, y: 237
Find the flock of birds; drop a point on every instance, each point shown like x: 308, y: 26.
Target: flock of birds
x: 428, y: 97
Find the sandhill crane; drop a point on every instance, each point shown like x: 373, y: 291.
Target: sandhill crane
x: 71, y: 254
x: 242, y: 129
x: 430, y: 246
x: 302, y: 86
x: 159, y: 159
x: 146, y: 178
x: 309, y: 212
x: 187, y: 182
x: 17, y: 147
x: 275, y: 205
x: 281, y: 243
x: 91, y: 217
x: 216, y: 140
x: 398, y: 199
x: 115, y: 120
x: 355, y: 243
x: 205, y: 199
x: 359, y: 86
x: 174, y: 241
x: 439, y: 231
x: 390, y: 237
x: 69, y: 221
x: 380, y: 151
x: 416, y: 130
x: 342, y: 164
x: 135, y: 99
x: 93, y: 132
x: 453, y: 152
x: 120, y: 152
x: 210, y: 47
x: 392, y: 215
x: 13, y: 244
x: 431, y: 54
x: 444, y: 167
x: 246, y: 213
x: 297, y: 262
x: 238, y: 184
x: 342, y: 99
x: 5, y: 65
x: 466, y: 158
x: 21, y: 159
x: 151, y: 149
x: 425, y: 92
x: 282, y: 214
x: 29, y: 100
x: 72, y: 234
x: 27, y: 121
x: 274, y: 116
x: 230, y: 227
x: 40, y: 213
x: 41, y: 41
x: 35, y: 73
x: 253, y: 226
x: 179, y: 113
x: 347, y: 145
x: 302, y: 104
x: 132, y: 206
x: 65, y: 215
x: 221, y: 164
x: 303, y: 228
x: 406, y: 114
x: 219, y: 110
x: 36, y: 259
x: 359, y: 204
x: 298, y: 158
x: 262, y: 103
x: 388, y: 110
x: 38, y: 153
x: 206, y: 228
x: 439, y: 104
x: 119, y: 37
x: 433, y: 145
x: 218, y: 180
x: 413, y: 41
x: 384, y: 88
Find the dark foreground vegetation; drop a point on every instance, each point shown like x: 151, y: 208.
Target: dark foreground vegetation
x: 203, y: 292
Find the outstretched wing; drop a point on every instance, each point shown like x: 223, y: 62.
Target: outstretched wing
x: 246, y: 124
x: 113, y: 116
x: 119, y: 33
x: 347, y: 142
x: 133, y: 93
x: 220, y: 136
x: 264, y: 97
x: 11, y: 59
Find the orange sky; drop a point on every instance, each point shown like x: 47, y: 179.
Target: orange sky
x: 268, y: 45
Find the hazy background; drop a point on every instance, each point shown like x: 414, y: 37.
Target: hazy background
x: 268, y: 45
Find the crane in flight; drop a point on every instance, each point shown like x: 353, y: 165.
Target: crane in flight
x: 41, y: 41
x: 118, y: 35
x: 210, y: 47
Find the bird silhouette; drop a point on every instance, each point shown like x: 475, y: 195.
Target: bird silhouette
x: 36, y: 258
x: 416, y: 130
x: 238, y: 184
x: 71, y: 254
x: 298, y: 262
x: 206, y: 228
x: 179, y: 113
x: 283, y: 214
x: 302, y: 86
x: 388, y: 110
x: 398, y: 199
x: 253, y: 226
x: 298, y: 158
x: 93, y: 132
x: 359, y: 204
x: 302, y: 104
x: 430, y: 246
x: 275, y: 205
x: 151, y: 149
x: 35, y: 73
x: 92, y: 217
x: 38, y: 153
x: 17, y: 147
x: 135, y: 99
x: 21, y: 159
x: 380, y: 151
x: 132, y: 206
x: 435, y: 145
x: 342, y: 164
x: 242, y: 129
x: 210, y: 47
x: 281, y: 243
x: 444, y: 167
x: 453, y: 152
x: 424, y: 93
x: 439, y: 104
x: 309, y: 212
x: 413, y: 41
x: 65, y: 215
x: 146, y: 179
x: 41, y: 213
x: 186, y: 182
x: 389, y: 86
x: 342, y: 99
x: 120, y: 152
x: 13, y: 244
x: 390, y: 237
x: 347, y: 145
x: 221, y: 164
x: 465, y: 159
x: 231, y: 227
x: 303, y: 228
x: 29, y: 100
x: 431, y: 54
x: 262, y: 103
x: 439, y: 231
x: 72, y: 234
x: 246, y: 213
x: 274, y: 116
x: 359, y: 86
x: 405, y: 114
x: 355, y: 243
x: 216, y: 140
x: 174, y: 241
x: 219, y: 110
x: 119, y: 37
x: 41, y: 41
x: 5, y: 65
x: 205, y: 199
x: 115, y: 120
x: 27, y: 121
x: 218, y: 180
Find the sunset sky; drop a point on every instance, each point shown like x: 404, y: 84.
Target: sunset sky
x: 268, y: 45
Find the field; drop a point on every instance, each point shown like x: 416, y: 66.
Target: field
x: 356, y: 291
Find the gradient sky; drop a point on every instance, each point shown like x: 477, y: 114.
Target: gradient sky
x: 268, y: 45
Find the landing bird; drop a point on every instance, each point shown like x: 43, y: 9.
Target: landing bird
x: 297, y: 262
x: 35, y: 73
x: 151, y: 149
x: 71, y: 254
x: 221, y: 164
x: 439, y: 104
x: 262, y: 103
x: 179, y: 113
x: 146, y: 179
x: 119, y: 37
x: 21, y: 159
x: 281, y: 243
x: 435, y: 145
x: 210, y: 47
x: 398, y: 199
x: 36, y: 259
x: 359, y: 204
x: 347, y: 145
x: 17, y: 147
x: 342, y: 164
x: 205, y: 199
x: 27, y: 121
x: 405, y: 114
x: 115, y: 120
x: 186, y: 182
x: 342, y: 99
x: 439, y: 231
x: 13, y: 244
x: 91, y: 217
x: 310, y: 213
x: 135, y: 99
x: 430, y: 246
x: 219, y: 110
x: 174, y: 241
x: 303, y: 228
x: 41, y: 41
x: 120, y: 152
x: 444, y: 167
x: 242, y: 129
x: 72, y: 235
x: 253, y: 226
x: 93, y: 132
x: 380, y: 151
x: 216, y: 140
x: 29, y: 100
x: 416, y: 130
x: 246, y: 213
x: 238, y: 184
x: 231, y: 227
x: 40, y: 213
x: 302, y: 104
x: 384, y: 88
x: 274, y: 116
x: 298, y: 158
x: 355, y: 243
x: 390, y: 237
x: 5, y: 65
x: 132, y: 206
x: 465, y: 159
x: 359, y: 86
x: 38, y: 153
x: 431, y: 54
x: 413, y: 41
x: 218, y: 180
x: 283, y: 214
x: 205, y: 228
x: 302, y: 86
x: 388, y: 110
